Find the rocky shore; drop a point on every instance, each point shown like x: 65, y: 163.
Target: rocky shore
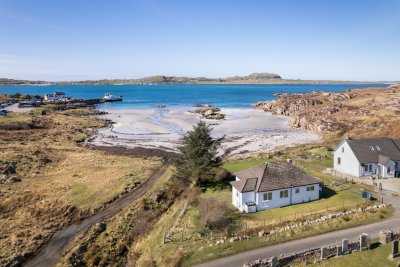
x: 208, y: 111
x: 356, y: 111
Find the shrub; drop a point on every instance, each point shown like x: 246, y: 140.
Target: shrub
x: 212, y: 214
x: 222, y: 175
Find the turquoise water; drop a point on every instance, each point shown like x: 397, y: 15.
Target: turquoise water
x: 176, y: 95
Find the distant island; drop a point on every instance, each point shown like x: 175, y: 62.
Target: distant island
x: 254, y: 78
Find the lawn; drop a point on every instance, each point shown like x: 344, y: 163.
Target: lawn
x: 334, y: 199
x: 312, y: 160
x: 238, y: 165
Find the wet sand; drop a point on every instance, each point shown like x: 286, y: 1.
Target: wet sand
x: 246, y: 131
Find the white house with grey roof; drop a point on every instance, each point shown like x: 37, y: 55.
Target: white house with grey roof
x: 368, y: 156
x: 272, y: 185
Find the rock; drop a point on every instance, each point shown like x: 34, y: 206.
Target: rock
x: 101, y: 227
x: 10, y: 168
x: 208, y: 112
x: 14, y: 179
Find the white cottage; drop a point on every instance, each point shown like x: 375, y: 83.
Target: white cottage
x: 272, y: 185
x: 368, y: 156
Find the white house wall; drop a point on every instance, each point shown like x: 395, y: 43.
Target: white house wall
x: 239, y: 199
x: 236, y: 198
x: 390, y: 164
x: 304, y: 195
x: 293, y: 198
x: 349, y: 164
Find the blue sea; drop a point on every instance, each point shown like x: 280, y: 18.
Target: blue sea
x: 177, y: 95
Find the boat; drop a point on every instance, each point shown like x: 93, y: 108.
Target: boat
x: 111, y: 98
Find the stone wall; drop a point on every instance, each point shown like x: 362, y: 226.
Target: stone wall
x: 316, y: 254
x: 316, y: 221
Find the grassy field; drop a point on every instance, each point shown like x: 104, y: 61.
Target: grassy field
x: 61, y: 180
x: 112, y: 247
x: 370, y: 258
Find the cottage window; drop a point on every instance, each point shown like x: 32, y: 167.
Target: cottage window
x: 284, y: 193
x: 342, y: 149
x: 338, y: 161
x: 310, y: 188
x: 297, y: 190
x: 267, y: 196
x: 368, y: 167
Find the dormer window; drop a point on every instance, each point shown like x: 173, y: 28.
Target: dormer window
x: 372, y: 148
x: 378, y: 148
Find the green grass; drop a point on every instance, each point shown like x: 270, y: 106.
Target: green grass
x: 238, y: 165
x: 333, y: 200
x: 374, y: 257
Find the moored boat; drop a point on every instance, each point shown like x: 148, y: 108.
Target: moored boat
x: 111, y: 98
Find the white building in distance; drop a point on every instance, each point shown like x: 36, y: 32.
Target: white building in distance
x: 368, y: 156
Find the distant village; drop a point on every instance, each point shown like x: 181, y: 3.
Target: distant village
x: 57, y: 98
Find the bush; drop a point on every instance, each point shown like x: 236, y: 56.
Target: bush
x: 222, y: 175
x: 212, y: 214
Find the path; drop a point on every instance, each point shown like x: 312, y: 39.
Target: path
x: 298, y: 245
x: 48, y: 255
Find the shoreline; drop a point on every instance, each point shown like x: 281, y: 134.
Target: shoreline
x: 246, y: 131
x: 242, y: 82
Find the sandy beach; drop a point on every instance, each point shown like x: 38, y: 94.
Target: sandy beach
x: 247, y: 131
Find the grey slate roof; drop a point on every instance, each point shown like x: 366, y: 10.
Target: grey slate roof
x: 368, y: 150
x: 271, y: 176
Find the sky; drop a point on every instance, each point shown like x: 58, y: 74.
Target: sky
x: 298, y: 39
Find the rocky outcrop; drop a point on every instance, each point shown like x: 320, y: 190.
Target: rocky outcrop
x: 324, y: 112
x: 208, y: 111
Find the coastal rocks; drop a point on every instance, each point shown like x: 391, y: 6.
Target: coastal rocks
x: 208, y: 111
x: 280, y: 107
x: 311, y: 112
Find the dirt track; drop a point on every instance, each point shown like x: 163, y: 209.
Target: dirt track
x: 48, y: 254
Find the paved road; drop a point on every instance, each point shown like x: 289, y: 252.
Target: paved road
x: 373, y: 229
x: 48, y: 255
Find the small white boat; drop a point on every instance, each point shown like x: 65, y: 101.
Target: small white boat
x: 111, y: 98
